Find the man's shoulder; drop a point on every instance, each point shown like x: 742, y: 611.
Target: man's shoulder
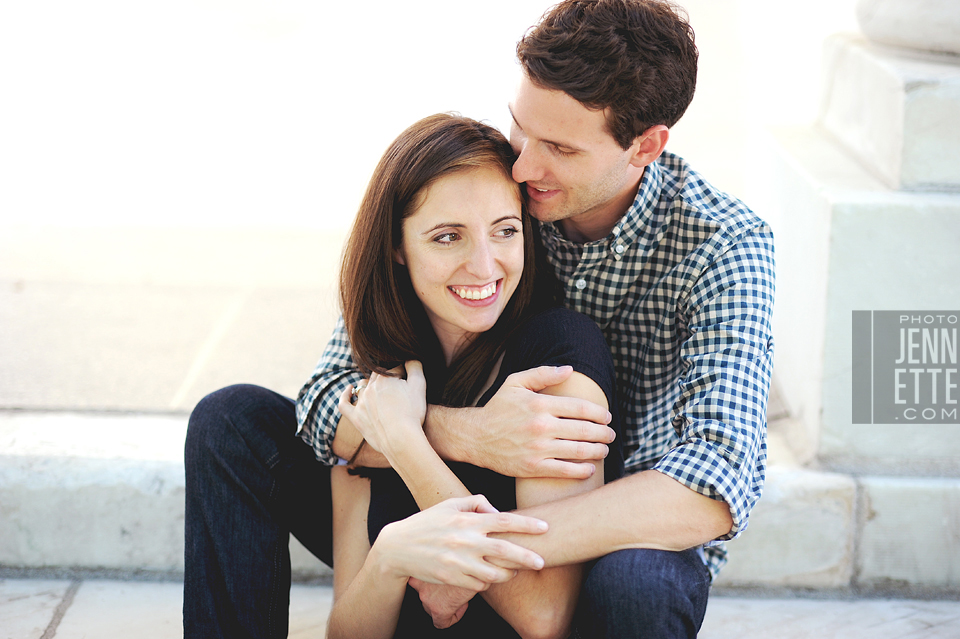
x: 698, y: 204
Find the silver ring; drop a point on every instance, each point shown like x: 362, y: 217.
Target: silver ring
x: 355, y: 395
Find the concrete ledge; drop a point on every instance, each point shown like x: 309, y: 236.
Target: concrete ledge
x: 801, y: 533
x: 910, y: 533
x: 105, y: 493
x: 836, y: 229
x: 98, y: 493
x: 896, y: 111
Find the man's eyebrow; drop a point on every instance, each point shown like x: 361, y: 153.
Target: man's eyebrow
x: 563, y: 145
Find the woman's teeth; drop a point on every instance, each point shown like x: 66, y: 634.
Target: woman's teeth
x: 476, y: 294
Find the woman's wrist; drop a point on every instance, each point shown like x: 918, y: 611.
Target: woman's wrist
x: 407, y: 446
x: 384, y: 557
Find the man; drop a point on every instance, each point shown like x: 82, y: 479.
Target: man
x: 680, y: 279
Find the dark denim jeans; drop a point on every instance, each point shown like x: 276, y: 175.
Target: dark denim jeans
x: 250, y: 482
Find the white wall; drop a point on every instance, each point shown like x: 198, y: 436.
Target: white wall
x: 256, y: 113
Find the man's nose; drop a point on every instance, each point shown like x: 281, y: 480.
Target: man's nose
x: 527, y: 167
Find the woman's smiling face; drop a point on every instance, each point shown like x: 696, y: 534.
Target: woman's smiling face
x: 463, y: 248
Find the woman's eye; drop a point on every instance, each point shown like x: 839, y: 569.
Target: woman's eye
x: 508, y: 232
x: 446, y: 238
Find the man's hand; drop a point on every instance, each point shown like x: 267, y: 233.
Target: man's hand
x: 523, y: 433
x: 446, y: 604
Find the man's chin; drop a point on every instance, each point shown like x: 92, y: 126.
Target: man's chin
x: 544, y: 213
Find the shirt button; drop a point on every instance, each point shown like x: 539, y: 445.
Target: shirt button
x: 618, y: 249
x: 580, y: 284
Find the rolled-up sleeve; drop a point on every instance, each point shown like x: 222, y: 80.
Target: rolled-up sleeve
x: 317, y: 412
x: 720, y: 415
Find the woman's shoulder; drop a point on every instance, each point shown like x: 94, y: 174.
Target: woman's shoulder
x: 558, y: 321
x: 554, y: 333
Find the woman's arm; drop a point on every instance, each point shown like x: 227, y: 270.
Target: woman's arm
x: 537, y: 604
x: 363, y: 605
x: 446, y: 544
x: 542, y: 603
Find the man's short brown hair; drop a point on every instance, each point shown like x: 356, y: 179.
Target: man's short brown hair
x: 636, y: 58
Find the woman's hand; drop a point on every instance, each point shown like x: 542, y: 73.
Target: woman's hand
x: 389, y: 410
x: 449, y: 544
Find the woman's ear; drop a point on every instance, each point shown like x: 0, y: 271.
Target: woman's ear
x: 398, y: 256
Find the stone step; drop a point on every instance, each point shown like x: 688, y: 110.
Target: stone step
x: 896, y: 110
x: 104, y: 493
x: 846, y: 243
x: 98, y: 493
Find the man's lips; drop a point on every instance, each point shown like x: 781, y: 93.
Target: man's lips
x: 540, y: 195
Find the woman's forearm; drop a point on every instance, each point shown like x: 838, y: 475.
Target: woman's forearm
x: 426, y: 476
x: 542, y: 603
x: 371, y: 605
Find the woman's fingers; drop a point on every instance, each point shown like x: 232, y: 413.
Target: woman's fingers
x: 450, y: 543
x: 512, y: 522
x: 510, y: 557
x: 346, y: 402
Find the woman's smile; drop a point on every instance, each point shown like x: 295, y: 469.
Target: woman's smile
x: 463, y: 248
x: 477, y: 294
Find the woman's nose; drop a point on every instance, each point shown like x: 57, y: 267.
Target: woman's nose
x: 481, y: 262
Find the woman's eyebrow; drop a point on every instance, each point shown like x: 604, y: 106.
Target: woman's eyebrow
x: 459, y: 225
x: 444, y: 225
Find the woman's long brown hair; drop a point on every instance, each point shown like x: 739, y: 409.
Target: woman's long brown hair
x: 385, y: 321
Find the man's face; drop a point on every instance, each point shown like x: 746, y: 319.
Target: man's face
x: 573, y: 168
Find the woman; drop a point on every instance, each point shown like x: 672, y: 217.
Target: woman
x: 442, y: 301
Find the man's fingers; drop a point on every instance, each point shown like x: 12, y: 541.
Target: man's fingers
x: 506, y: 563
x: 345, y: 405
x: 580, y: 413
x: 578, y: 451
x: 536, y: 379
x: 561, y: 469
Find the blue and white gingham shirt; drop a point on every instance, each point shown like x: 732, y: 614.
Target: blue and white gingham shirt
x: 682, y: 288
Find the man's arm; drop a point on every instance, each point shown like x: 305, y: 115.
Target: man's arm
x: 519, y: 433
x: 317, y: 412
x: 643, y: 510
x: 705, y: 487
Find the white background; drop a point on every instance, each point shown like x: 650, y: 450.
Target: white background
x: 248, y: 113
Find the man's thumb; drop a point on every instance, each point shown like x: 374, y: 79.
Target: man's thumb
x: 536, y: 379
